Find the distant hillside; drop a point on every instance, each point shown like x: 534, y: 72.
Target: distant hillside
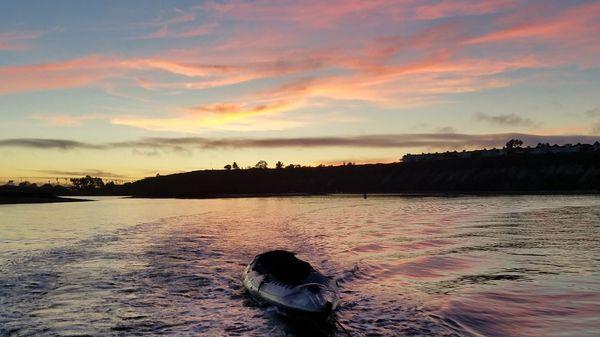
x: 516, y: 172
x: 31, y: 194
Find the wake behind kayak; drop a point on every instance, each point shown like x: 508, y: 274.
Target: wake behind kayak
x: 279, y: 277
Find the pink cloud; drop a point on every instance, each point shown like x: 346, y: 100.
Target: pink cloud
x: 180, y: 26
x: 91, y: 70
x: 56, y: 75
x: 11, y: 47
x: 572, y: 25
x: 14, y: 41
x: 165, y: 32
x: 408, y: 84
x: 449, y: 8
x: 200, y: 30
x: 372, y: 51
x: 175, y: 67
x: 307, y: 13
x: 161, y: 33
x: 181, y: 16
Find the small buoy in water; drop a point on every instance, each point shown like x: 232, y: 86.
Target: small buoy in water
x: 279, y: 277
x: 365, y: 195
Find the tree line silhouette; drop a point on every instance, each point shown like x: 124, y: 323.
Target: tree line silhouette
x: 260, y: 165
x: 514, y: 172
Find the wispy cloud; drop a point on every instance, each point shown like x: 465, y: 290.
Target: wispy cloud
x: 593, y: 112
x: 43, y: 143
x: 446, y: 129
x: 303, y: 14
x: 182, y: 24
x: 18, y: 41
x: 93, y: 173
x: 165, y: 32
x: 400, y: 141
x: 504, y: 119
x: 57, y: 75
x: 452, y: 8
x: 65, y: 120
x: 93, y: 70
x: 401, y: 54
x: 429, y: 140
x: 203, y: 117
x: 576, y: 24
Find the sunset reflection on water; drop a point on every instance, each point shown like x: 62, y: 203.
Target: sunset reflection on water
x: 467, y: 266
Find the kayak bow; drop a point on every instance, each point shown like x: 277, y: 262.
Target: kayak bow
x: 280, y: 278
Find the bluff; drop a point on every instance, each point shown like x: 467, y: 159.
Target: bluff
x: 512, y: 173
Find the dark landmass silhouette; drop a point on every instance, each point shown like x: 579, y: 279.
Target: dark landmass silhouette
x: 508, y: 171
x: 511, y: 173
x: 32, y: 194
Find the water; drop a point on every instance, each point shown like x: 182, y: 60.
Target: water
x: 467, y: 266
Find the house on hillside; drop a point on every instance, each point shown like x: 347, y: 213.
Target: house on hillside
x: 541, y: 148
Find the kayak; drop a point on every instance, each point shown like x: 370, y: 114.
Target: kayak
x: 279, y: 277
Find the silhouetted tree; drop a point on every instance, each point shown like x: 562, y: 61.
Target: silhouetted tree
x: 87, y: 182
x: 279, y: 165
x: 261, y: 165
x: 235, y: 166
x: 227, y: 167
x: 513, y: 143
x: 24, y: 184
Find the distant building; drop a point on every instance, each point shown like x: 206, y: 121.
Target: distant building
x: 539, y: 149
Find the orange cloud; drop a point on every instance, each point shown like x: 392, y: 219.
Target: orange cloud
x: 229, y: 116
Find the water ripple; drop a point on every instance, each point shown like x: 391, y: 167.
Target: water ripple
x: 496, y: 266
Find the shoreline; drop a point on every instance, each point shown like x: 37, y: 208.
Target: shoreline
x: 375, y: 194
x: 12, y: 200
x: 5, y: 200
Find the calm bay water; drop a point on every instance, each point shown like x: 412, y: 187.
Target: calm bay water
x: 466, y: 266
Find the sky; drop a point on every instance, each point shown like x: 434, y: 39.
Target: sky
x: 127, y: 89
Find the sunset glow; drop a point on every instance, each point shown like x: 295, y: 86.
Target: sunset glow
x: 131, y: 89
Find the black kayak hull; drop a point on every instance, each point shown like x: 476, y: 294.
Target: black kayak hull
x: 314, y: 294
